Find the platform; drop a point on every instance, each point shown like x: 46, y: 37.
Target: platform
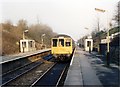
x: 8, y: 58
x: 80, y: 71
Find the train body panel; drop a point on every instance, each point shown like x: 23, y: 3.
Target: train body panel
x: 62, y: 50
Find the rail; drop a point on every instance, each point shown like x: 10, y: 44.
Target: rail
x: 14, y: 74
x: 52, y: 76
x: 23, y: 60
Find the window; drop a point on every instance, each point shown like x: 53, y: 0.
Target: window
x: 30, y: 43
x: 61, y: 42
x: 24, y: 44
x: 54, y: 42
x: 88, y: 43
x: 68, y: 44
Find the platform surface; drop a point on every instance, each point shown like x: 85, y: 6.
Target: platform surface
x: 80, y: 71
x: 8, y: 58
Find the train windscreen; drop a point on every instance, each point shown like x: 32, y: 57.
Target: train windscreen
x: 61, y: 42
x: 68, y: 42
x: 54, y: 42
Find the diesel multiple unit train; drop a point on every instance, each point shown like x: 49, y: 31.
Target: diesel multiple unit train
x: 62, y: 47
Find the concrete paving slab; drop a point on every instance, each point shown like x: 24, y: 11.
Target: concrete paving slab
x: 74, y: 76
x: 89, y: 74
x: 80, y: 71
x: 19, y: 55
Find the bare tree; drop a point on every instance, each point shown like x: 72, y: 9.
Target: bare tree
x: 12, y: 35
x: 22, y: 25
x: 116, y: 17
x: 36, y: 31
x: 119, y: 13
x: 7, y: 25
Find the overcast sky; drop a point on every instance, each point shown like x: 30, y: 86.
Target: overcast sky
x: 63, y: 16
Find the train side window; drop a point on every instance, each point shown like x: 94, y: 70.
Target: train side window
x: 61, y: 42
x: 54, y: 42
x: 68, y: 44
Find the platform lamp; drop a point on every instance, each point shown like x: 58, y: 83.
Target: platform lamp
x: 108, y: 39
x: 102, y: 11
x: 89, y: 42
x: 42, y: 38
x: 25, y: 31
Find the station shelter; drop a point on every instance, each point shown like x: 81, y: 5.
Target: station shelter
x: 88, y: 44
x: 27, y: 45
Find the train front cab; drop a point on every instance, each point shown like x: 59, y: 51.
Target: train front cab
x: 61, y: 46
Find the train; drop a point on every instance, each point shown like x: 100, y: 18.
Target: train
x: 62, y: 47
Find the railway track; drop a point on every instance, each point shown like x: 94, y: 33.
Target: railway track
x: 53, y: 76
x: 14, y: 74
x: 9, y: 64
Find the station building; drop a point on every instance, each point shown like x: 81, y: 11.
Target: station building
x: 27, y: 45
x: 88, y: 44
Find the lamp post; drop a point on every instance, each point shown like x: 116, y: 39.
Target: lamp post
x: 24, y: 34
x: 89, y: 43
x: 24, y: 39
x: 108, y: 38
x: 108, y: 46
x: 83, y: 39
x: 102, y: 11
x: 42, y: 39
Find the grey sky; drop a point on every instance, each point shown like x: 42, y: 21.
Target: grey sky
x: 63, y: 16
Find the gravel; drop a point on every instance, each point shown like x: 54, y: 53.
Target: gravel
x: 28, y: 78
